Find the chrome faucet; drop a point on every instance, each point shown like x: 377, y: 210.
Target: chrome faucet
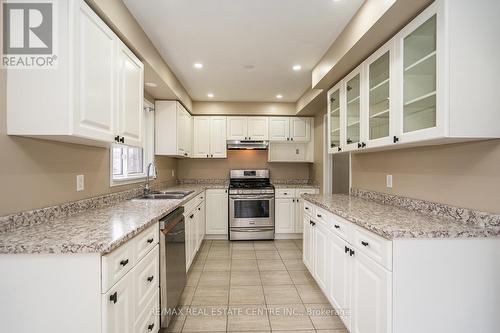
x: 147, y: 187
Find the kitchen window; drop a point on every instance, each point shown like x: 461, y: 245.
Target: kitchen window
x: 129, y: 164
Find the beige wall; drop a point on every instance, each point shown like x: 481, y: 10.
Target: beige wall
x: 39, y: 173
x: 316, y: 169
x: 242, y: 159
x: 244, y: 108
x: 466, y: 174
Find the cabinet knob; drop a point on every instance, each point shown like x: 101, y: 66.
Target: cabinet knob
x: 363, y: 145
x: 337, y: 226
x: 364, y: 243
x: 351, y: 253
x: 117, y: 138
x: 291, y: 139
x: 150, y: 278
x: 395, y: 139
x: 207, y: 155
x: 150, y: 327
x: 212, y: 155
x: 339, y: 149
x: 313, y: 224
x: 287, y: 139
x: 114, y: 297
x: 349, y: 141
x: 359, y: 145
x: 150, y: 240
x: 346, y: 249
x: 307, y: 208
x: 332, y: 145
x: 185, y: 154
x: 122, y: 139
x: 191, y: 216
x: 318, y: 215
x: 199, y: 208
x: 124, y: 262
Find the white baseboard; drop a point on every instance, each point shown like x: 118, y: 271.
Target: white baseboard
x: 288, y: 236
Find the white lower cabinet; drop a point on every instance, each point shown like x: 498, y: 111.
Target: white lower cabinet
x: 359, y: 288
x: 194, y: 215
x: 129, y: 304
x: 371, y: 296
x: 289, y: 209
x: 217, y: 212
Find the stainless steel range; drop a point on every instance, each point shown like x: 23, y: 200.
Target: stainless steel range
x: 251, y: 205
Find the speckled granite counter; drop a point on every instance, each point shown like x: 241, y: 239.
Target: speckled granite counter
x: 97, y: 230
x: 301, y: 186
x: 393, y: 222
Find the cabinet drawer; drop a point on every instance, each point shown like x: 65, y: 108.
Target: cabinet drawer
x: 149, y: 320
x: 306, y: 191
x: 146, y: 279
x: 145, y: 241
x: 374, y: 246
x: 341, y: 227
x: 285, y: 193
x: 116, y: 264
x: 322, y: 215
x: 308, y: 208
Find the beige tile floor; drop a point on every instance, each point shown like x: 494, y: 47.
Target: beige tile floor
x: 253, y: 287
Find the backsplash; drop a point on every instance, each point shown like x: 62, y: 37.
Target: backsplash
x: 468, y: 216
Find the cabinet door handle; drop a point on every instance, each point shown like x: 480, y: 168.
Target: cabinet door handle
x: 359, y: 145
x: 150, y: 240
x: 117, y: 138
x: 349, y: 141
x: 395, y: 139
x: 307, y: 208
x: 363, y: 145
x: 364, y: 243
x: 150, y: 278
x: 122, y: 139
x: 313, y: 224
x: 351, y: 252
x: 337, y: 226
x: 124, y: 262
x: 346, y: 249
x: 114, y: 297
x: 150, y: 327
x: 318, y: 215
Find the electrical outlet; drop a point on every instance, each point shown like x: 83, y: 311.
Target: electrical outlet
x: 173, y: 173
x: 80, y: 183
x: 389, y: 181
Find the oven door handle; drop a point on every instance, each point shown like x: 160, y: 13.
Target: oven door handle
x: 250, y: 197
x: 252, y: 229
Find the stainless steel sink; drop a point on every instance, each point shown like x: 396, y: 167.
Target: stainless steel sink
x: 162, y: 195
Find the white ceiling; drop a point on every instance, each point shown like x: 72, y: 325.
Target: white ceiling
x: 227, y: 35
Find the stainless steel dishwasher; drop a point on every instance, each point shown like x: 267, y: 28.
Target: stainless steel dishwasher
x: 172, y: 263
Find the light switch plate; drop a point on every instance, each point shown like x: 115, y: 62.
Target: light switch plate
x: 389, y: 181
x: 80, y: 183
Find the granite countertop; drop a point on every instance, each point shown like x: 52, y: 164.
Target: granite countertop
x: 393, y: 222
x: 96, y: 230
x: 301, y: 186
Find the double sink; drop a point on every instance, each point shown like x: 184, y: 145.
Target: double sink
x: 168, y: 194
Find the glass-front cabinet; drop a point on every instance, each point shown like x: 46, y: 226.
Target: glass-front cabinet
x: 334, y: 107
x: 352, y: 117
x: 418, y: 45
x: 379, y: 127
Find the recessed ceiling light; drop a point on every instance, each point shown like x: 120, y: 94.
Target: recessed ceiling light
x: 297, y: 67
x: 279, y: 96
x: 151, y: 84
x: 210, y: 95
x: 198, y: 65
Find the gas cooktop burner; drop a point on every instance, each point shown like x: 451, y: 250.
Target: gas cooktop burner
x: 250, y: 182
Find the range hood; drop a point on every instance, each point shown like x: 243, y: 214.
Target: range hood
x: 246, y: 145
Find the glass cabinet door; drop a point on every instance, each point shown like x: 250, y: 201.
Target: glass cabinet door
x: 353, y: 110
x: 419, y: 78
x: 334, y: 119
x: 379, y: 112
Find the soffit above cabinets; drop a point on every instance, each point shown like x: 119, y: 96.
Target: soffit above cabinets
x: 229, y: 35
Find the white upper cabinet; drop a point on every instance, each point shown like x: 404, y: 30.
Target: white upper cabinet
x: 173, y: 129
x: 378, y: 125
x: 131, y: 96
x: 218, y: 137
x: 247, y: 128
x: 352, y: 116
x: 279, y: 128
x: 237, y: 128
x: 258, y: 128
x: 201, y: 138
x: 300, y: 129
x: 290, y: 129
x: 95, y: 92
x: 209, y: 137
x: 412, y: 89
